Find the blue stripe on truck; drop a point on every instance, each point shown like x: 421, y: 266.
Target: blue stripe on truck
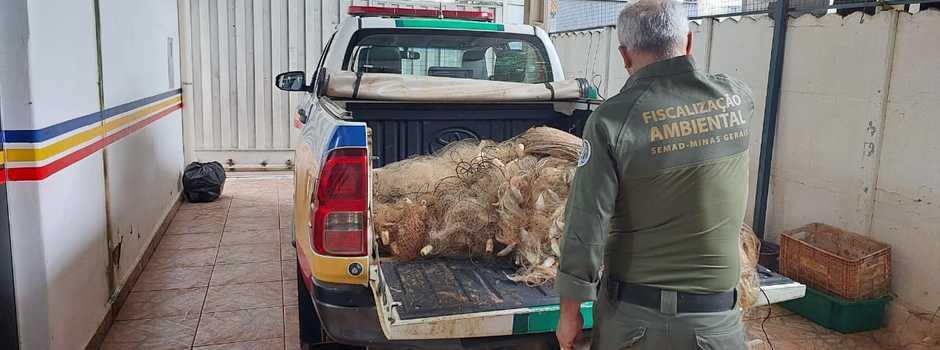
x: 346, y: 136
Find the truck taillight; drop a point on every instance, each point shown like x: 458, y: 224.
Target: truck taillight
x: 339, y: 209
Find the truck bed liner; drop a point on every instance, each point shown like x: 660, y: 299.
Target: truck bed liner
x: 440, y: 287
x: 402, y: 130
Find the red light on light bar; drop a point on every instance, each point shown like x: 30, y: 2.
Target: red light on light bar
x: 417, y: 12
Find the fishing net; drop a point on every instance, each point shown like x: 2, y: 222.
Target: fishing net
x: 749, y: 282
x: 481, y: 200
x: 497, y: 201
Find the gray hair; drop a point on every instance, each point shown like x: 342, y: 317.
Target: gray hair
x: 657, y: 27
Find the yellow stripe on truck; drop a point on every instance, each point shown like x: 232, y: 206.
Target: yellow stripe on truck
x: 336, y: 269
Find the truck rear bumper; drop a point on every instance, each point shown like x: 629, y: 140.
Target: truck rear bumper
x: 351, y: 325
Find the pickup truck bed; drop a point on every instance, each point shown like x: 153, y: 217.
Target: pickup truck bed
x: 441, y: 287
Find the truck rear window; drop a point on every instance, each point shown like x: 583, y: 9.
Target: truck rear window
x: 447, y: 53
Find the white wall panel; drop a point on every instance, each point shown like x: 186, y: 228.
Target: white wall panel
x: 224, y: 73
x: 585, y: 54
x: 701, y: 42
x: 279, y: 63
x: 741, y: 49
x: 831, y: 107
x: 59, y: 194
x: 75, y: 251
x: 618, y: 72
x: 594, y: 54
x: 297, y: 31
x: 143, y: 168
x: 907, y: 206
x: 15, y: 109
x: 53, y: 58
x: 71, y: 265
x: 14, y: 67
x: 263, y: 76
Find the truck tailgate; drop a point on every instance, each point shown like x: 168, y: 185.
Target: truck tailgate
x: 450, y: 286
x: 452, y: 298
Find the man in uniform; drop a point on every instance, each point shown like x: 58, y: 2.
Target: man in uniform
x: 658, y: 199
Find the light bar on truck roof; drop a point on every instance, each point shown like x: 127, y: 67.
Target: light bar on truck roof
x: 419, y: 12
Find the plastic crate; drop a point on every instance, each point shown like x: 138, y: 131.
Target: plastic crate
x: 839, y: 314
x: 836, y: 261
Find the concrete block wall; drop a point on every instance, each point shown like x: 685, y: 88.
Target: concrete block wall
x: 855, y: 145
x: 832, y: 102
x: 741, y: 48
x: 92, y: 165
x: 906, y: 211
x: 853, y: 142
x: 594, y: 54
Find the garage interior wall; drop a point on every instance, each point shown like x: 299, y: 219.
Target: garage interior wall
x: 92, y: 164
x: 236, y: 48
x: 855, y: 127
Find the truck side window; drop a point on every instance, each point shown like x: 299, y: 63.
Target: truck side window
x: 454, y: 54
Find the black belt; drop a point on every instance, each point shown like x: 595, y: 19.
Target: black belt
x: 651, y: 297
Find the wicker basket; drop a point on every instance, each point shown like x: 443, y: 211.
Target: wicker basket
x: 843, y: 263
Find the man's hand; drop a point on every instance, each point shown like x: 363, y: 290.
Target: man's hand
x: 570, y: 323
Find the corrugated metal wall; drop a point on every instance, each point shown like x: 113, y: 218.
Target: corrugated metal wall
x: 236, y: 47
x: 593, y: 54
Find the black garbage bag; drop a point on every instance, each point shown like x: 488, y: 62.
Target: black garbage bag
x: 203, y: 182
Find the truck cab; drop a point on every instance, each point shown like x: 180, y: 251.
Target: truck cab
x: 349, y: 291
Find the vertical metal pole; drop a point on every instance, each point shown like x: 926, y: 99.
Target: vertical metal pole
x: 114, y: 249
x: 771, y: 106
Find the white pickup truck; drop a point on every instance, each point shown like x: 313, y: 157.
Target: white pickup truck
x: 349, y: 291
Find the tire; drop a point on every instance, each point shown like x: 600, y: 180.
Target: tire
x: 311, y: 331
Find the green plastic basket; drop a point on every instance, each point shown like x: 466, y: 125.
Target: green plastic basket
x: 839, y: 314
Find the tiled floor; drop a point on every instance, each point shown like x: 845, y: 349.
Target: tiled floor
x: 788, y: 331
x: 222, y: 277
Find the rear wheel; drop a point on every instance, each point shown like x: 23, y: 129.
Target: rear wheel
x: 311, y: 331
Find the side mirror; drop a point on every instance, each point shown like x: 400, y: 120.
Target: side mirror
x: 291, y: 81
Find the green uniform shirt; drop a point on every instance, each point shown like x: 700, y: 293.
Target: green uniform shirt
x: 661, y: 187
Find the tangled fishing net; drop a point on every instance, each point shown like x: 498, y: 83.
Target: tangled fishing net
x: 487, y: 200
x: 482, y: 200
x: 749, y: 282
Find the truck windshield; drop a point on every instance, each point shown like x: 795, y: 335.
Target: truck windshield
x: 454, y: 54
